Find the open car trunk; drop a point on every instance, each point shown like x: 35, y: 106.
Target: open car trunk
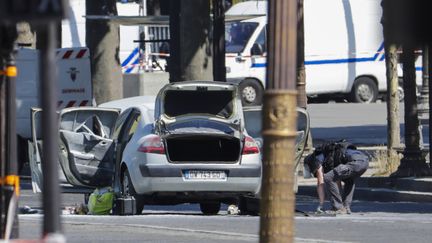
x: 199, y: 123
x: 203, y: 148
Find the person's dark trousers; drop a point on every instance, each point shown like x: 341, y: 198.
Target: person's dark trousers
x: 347, y: 173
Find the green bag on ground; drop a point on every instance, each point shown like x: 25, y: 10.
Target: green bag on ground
x: 101, y: 201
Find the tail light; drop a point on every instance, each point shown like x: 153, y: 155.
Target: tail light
x: 250, y: 146
x: 152, y: 144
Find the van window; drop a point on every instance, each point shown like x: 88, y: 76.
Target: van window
x: 261, y: 40
x: 237, y: 34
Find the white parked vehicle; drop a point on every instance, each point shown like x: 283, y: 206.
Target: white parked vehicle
x: 189, y: 145
x: 73, y: 83
x: 344, y: 52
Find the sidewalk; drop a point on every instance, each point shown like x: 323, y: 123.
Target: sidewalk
x: 382, y: 189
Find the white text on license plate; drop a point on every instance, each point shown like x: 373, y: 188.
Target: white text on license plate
x: 205, y: 175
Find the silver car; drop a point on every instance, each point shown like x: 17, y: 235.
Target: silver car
x: 187, y: 145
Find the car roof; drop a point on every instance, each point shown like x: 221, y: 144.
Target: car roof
x: 147, y: 102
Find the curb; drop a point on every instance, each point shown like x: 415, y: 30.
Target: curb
x: 384, y: 189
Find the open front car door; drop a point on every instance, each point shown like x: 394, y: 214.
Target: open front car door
x: 86, y: 147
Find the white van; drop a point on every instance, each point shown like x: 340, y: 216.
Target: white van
x: 344, y: 51
x: 73, y: 83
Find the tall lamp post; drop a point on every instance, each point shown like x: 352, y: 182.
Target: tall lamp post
x: 46, y: 14
x: 279, y: 125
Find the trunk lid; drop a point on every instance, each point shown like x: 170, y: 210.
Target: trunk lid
x: 199, y: 122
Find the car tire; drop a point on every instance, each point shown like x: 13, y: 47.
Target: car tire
x: 128, y: 190
x: 251, y: 92
x: 364, y: 90
x: 210, y: 208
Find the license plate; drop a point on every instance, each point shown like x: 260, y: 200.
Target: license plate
x: 204, y: 175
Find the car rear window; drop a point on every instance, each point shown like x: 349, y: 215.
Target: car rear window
x: 211, y: 102
x: 253, y: 122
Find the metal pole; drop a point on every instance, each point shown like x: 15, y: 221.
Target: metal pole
x: 3, y: 144
x: 429, y: 50
x: 219, y: 71
x: 12, y: 178
x: 9, y: 180
x: 48, y: 74
x: 279, y: 125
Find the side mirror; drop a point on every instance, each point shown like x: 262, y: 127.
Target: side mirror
x: 257, y: 50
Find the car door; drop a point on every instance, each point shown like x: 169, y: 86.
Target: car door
x: 253, y: 124
x: 86, y: 147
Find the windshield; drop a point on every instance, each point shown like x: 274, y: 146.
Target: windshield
x: 237, y: 35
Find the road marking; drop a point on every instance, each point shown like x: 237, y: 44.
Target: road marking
x: 161, y: 228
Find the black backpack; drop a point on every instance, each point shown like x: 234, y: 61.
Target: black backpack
x: 334, y: 153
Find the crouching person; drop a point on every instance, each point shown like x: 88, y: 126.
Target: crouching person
x: 333, y: 164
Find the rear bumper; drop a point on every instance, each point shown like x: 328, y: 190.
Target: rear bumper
x: 241, y: 179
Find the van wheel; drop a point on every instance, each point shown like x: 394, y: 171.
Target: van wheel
x: 128, y: 190
x: 210, y: 208
x: 401, y: 94
x: 251, y: 92
x: 364, y: 91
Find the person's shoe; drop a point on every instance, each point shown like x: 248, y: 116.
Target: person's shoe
x: 348, y: 210
x: 337, y: 211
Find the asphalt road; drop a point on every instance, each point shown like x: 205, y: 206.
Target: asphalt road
x: 362, y: 124
x: 370, y: 222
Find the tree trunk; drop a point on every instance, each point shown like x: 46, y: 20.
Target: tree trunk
x: 393, y: 129
x: 190, y: 45
x: 301, y: 73
x: 103, y: 40
x: 219, y: 69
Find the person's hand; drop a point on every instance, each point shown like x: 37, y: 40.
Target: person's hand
x: 320, y: 209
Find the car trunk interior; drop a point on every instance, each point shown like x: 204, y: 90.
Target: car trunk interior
x: 201, y: 148
x: 214, y: 102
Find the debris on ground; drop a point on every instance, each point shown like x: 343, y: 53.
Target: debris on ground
x: 233, y: 210
x: 27, y: 210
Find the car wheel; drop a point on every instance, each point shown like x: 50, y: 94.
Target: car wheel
x: 251, y: 92
x: 128, y: 190
x: 210, y: 208
x: 364, y: 91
